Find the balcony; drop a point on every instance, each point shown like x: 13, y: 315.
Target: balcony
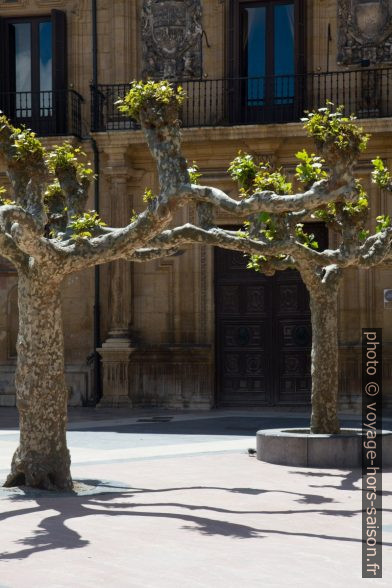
x: 46, y: 113
x: 248, y: 101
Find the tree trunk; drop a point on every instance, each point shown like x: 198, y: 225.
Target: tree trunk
x: 42, y: 459
x: 324, y: 309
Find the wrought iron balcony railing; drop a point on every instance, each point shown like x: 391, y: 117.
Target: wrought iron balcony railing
x: 46, y: 113
x: 245, y: 101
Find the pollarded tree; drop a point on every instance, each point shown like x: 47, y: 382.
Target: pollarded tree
x: 338, y: 141
x: 332, y: 195
x: 47, y: 236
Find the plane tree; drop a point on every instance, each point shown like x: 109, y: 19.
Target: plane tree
x: 332, y: 195
x: 339, y: 141
x: 46, y: 234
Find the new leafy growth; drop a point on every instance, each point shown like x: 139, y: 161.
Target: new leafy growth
x: 144, y: 95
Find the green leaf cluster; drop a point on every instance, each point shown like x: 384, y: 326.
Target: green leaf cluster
x: 380, y: 174
x: 147, y: 93
x: 328, y: 125
x: 274, y: 180
x: 363, y: 234
x: 255, y: 262
x: 327, y: 214
x: 148, y: 196
x: 310, y: 169
x: 383, y: 222
x: 243, y: 170
x: 307, y: 239
x: 25, y: 142
x: 3, y: 199
x: 53, y: 191
x: 65, y: 157
x: 257, y: 177
x: 269, y: 230
x: 264, y: 224
x: 194, y: 173
x: 134, y: 216
x: 358, y: 208
x: 85, y: 225
x: 361, y: 205
x: 258, y: 263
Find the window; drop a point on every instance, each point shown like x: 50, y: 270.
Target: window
x: 31, y: 67
x: 267, y: 51
x: 33, y: 70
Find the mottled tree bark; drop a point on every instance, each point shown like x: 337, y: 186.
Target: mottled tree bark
x: 325, y: 357
x: 44, y: 255
x: 42, y: 458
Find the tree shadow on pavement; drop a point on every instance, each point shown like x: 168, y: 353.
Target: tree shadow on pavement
x: 349, y: 480
x: 53, y: 531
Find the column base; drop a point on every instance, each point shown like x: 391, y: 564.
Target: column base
x: 116, y: 370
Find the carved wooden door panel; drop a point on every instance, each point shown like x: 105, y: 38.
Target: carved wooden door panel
x: 263, y: 333
x: 243, y: 331
x: 292, y: 339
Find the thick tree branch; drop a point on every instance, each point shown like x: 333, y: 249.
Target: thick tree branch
x: 376, y: 249
x: 26, y: 169
x: 320, y: 193
x: 188, y: 233
x: 10, y: 251
x: 274, y: 264
x: 26, y: 235
x: 146, y: 254
x: 114, y: 244
x: 75, y: 191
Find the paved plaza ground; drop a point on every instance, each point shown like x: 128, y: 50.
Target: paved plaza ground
x: 174, y: 500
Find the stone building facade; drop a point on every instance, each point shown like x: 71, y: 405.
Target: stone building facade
x: 197, y: 330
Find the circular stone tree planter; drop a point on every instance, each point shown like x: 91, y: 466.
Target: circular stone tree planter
x: 298, y: 447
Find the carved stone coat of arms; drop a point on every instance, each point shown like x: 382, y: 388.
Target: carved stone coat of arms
x: 365, y: 31
x: 171, y: 38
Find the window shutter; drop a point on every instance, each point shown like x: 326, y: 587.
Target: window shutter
x: 60, y: 82
x: 59, y: 30
x: 231, y: 42
x: 7, y: 83
x: 300, y: 18
x: 231, y: 86
x: 4, y: 56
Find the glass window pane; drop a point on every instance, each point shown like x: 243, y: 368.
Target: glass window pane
x: 45, y: 67
x: 255, y: 52
x: 23, y: 69
x: 284, y: 53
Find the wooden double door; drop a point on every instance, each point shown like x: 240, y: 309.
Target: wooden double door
x: 263, y: 335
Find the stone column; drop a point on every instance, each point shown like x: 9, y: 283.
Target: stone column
x: 116, y: 351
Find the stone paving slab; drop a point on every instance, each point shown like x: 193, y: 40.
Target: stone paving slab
x: 151, y: 516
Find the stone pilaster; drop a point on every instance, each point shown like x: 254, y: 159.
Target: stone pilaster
x: 117, y: 349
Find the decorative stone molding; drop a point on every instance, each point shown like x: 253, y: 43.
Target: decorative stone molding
x: 365, y: 31
x: 167, y: 265
x: 171, y: 38
x: 172, y: 377
x: 78, y: 379
x: 12, y: 4
x: 116, y: 370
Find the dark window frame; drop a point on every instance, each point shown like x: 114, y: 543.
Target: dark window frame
x: 35, y: 21
x: 235, y: 56
x: 56, y: 123
x: 284, y: 109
